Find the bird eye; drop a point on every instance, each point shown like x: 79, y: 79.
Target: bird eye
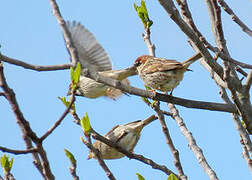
x: 138, y: 62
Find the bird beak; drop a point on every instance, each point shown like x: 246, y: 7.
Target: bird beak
x: 133, y: 69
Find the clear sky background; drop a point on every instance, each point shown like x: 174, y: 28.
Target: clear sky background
x: 30, y: 32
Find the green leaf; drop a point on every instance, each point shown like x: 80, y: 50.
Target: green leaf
x: 75, y: 76
x: 142, y: 13
x: 85, y: 124
x: 147, y: 88
x: 70, y: 157
x: 145, y: 100
x: 72, y: 74
x: 153, y: 103
x: 77, y: 72
x: 136, y: 7
x: 6, y: 164
x: 172, y: 177
x: 140, y: 177
x: 66, y: 103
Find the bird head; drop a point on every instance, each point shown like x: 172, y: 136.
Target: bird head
x: 141, y: 60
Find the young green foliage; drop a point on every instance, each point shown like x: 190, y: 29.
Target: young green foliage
x: 142, y: 13
x: 66, y: 103
x: 140, y: 177
x: 75, y: 75
x: 85, y: 124
x: 172, y: 177
x: 6, y: 163
x: 70, y: 157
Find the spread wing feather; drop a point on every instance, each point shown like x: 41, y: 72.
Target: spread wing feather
x: 91, y: 53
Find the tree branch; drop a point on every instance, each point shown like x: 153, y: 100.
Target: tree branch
x: 169, y: 141
x: 66, y: 34
x: 172, y: 11
x: 88, y: 143
x: 57, y: 123
x: 17, y: 152
x: 160, y: 97
x: 192, y: 143
x: 247, y: 83
x: 130, y: 155
x: 34, y: 67
x: 26, y: 130
x: 234, y: 17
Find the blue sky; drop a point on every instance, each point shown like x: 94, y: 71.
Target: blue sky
x: 30, y: 32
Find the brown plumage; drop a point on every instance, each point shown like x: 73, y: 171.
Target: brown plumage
x: 126, y: 136
x: 93, y: 56
x: 162, y: 74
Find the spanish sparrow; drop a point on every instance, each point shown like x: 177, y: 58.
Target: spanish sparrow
x: 162, y: 74
x: 126, y: 136
x: 92, y: 56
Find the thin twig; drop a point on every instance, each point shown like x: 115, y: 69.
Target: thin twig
x: 246, y: 155
x: 239, y: 94
x: 2, y: 94
x: 73, y: 173
x: 66, y: 34
x: 242, y: 131
x: 160, y: 97
x: 172, y: 11
x: 130, y: 155
x: 34, y: 67
x: 248, y: 82
x: 234, y: 17
x: 241, y: 71
x: 17, y: 152
x: 88, y: 143
x: 57, y: 123
x: 192, y: 143
x: 169, y: 141
x: 151, y: 47
x: 28, y: 134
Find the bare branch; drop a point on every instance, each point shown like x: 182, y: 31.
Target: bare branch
x: 172, y: 11
x: 242, y: 131
x: 246, y: 155
x: 27, y: 132
x: 169, y: 141
x: 57, y: 123
x: 34, y: 67
x: 247, y: 84
x: 17, y: 152
x: 234, y: 17
x: 238, y: 69
x: 160, y: 97
x: 2, y: 94
x: 151, y: 47
x: 130, y: 155
x: 99, y: 158
x: 66, y: 34
x: 192, y: 143
x: 73, y: 173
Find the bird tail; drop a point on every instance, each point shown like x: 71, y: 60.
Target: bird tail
x: 149, y: 120
x: 191, y: 60
x: 114, y: 93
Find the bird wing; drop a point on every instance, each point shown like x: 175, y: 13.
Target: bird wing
x: 160, y: 65
x: 91, y: 53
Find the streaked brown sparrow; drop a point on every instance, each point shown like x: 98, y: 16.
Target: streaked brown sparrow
x: 126, y: 136
x: 162, y: 74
